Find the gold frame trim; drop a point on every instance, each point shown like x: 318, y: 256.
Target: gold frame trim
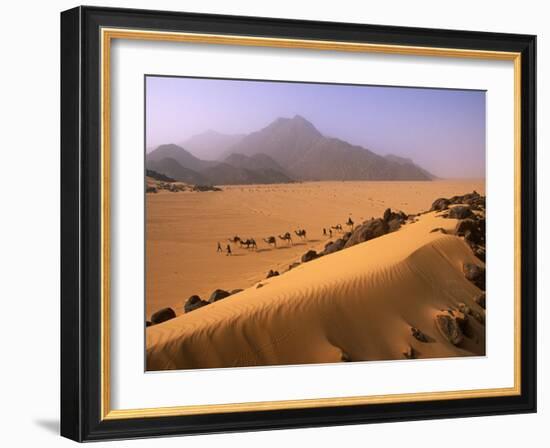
x: 107, y: 35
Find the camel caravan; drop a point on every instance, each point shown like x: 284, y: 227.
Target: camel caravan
x: 250, y: 243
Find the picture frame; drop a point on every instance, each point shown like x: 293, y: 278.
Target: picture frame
x: 87, y: 34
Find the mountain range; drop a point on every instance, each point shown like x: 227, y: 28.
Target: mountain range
x: 288, y: 149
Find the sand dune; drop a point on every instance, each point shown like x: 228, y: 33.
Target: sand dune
x: 183, y: 229
x: 358, y: 304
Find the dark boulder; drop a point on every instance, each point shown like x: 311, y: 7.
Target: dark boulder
x: 440, y: 205
x: 367, y: 231
x: 460, y: 212
x: 449, y: 328
x: 418, y: 335
x: 218, y: 294
x: 309, y: 255
x: 475, y: 274
x: 163, y: 315
x: 293, y: 265
x: 335, y: 246
x: 394, y: 216
x: 148, y: 323
x: 193, y: 303
x: 272, y: 273
x: 480, y: 300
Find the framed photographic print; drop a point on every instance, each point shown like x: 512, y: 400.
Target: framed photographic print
x: 275, y: 224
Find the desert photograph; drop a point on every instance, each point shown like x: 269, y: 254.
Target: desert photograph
x: 291, y: 223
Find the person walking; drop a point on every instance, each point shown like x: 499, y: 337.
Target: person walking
x: 219, y: 249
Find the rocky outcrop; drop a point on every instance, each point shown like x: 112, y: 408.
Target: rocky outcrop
x: 218, y: 294
x: 162, y: 315
x: 475, y: 274
x: 193, y: 303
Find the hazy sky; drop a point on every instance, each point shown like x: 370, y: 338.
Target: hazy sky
x: 441, y: 130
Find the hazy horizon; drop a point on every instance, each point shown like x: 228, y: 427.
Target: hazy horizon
x: 441, y: 130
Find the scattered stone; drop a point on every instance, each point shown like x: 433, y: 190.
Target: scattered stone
x: 259, y: 285
x: 335, y: 246
x: 206, y: 188
x: 479, y: 252
x: 163, y: 315
x: 309, y: 255
x: 463, y: 308
x: 272, y: 273
x: 440, y: 205
x: 438, y: 229
x: 410, y: 353
x: 344, y: 357
x: 478, y: 316
x: 460, y: 212
x: 367, y: 231
x: 449, y: 328
x: 475, y: 274
x: 293, y: 265
x: 480, y: 300
x: 236, y: 291
x: 218, y: 294
x: 193, y: 303
x: 151, y: 189
x: 418, y: 335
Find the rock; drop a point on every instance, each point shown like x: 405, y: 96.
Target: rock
x: 463, y: 308
x: 151, y: 189
x: 206, y: 188
x: 344, y: 357
x: 387, y: 214
x: 367, y: 231
x: 272, y: 273
x: 475, y: 274
x: 449, y: 328
x: 471, y: 230
x: 194, y: 303
x: 163, y: 315
x: 394, y: 224
x: 479, y: 252
x: 236, y: 291
x: 438, y: 229
x: 418, y: 335
x: 460, y: 212
x: 259, y: 285
x: 293, y: 265
x: 148, y: 323
x: 309, y: 255
x: 478, y: 316
x: 480, y: 300
x: 335, y: 246
x: 218, y: 294
x: 440, y: 205
x: 410, y: 353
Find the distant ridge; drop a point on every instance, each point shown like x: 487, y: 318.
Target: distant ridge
x: 288, y: 149
x: 211, y: 145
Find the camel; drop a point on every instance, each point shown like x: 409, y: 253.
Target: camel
x: 337, y: 227
x: 249, y: 243
x: 271, y: 240
x: 235, y: 240
x: 286, y: 237
x: 301, y: 233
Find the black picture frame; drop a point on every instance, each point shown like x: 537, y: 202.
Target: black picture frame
x: 81, y: 227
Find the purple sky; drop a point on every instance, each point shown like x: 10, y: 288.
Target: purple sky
x: 441, y: 130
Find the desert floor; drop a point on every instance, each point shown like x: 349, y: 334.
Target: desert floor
x: 183, y: 229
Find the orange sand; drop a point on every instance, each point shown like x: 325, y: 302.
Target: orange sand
x: 361, y: 301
